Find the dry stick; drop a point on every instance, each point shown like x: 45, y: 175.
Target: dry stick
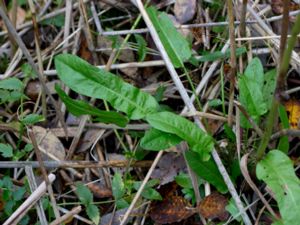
x: 243, y: 18
x: 65, y: 217
x: 191, y: 107
x: 244, y: 170
x: 25, y: 51
x: 38, y: 54
x: 284, y: 132
x: 20, y: 212
x: 232, y: 60
x: 33, y: 187
x: 138, y: 194
x: 44, y: 172
x: 76, y: 164
x: 266, y: 29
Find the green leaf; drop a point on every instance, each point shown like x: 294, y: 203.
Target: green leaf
x: 269, y: 87
x: 118, y: 187
x: 32, y: 119
x: 58, y: 21
x: 84, y: 194
x: 122, y: 204
x: 142, y: 44
x: 11, y: 84
x: 148, y: 192
x: 251, y: 92
x: 252, y: 99
x: 255, y: 72
x: 217, y: 55
x: 206, y: 170
x: 93, y: 213
x: 277, y: 170
x: 88, y: 80
x: 19, y: 193
x: 151, y: 194
x: 197, y: 139
x: 233, y: 210
x: 78, y: 108
x: 175, y: 44
x: 158, y: 140
x: 6, y: 150
x: 184, y: 180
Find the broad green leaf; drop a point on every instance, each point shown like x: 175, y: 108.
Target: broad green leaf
x: 93, y: 213
x: 252, y: 99
x: 6, y: 150
x: 197, y: 139
x: 255, y: 72
x: 277, y: 170
x: 206, y: 170
x: 118, y: 187
x: 251, y: 91
x: 32, y: 119
x: 158, y: 140
x: 142, y: 44
x: 78, y: 108
x: 11, y: 84
x: 84, y: 194
x: 88, y: 80
x: 269, y: 87
x: 175, y: 44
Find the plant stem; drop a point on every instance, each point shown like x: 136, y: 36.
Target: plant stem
x: 284, y: 65
x: 232, y: 60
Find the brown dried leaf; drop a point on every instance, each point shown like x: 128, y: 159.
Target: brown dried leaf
x: 277, y: 6
x: 172, y: 209
x: 184, y: 10
x: 49, y: 144
x: 168, y: 167
x: 21, y: 15
x: 213, y: 206
x: 99, y: 191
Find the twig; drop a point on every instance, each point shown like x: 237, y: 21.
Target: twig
x: 244, y: 170
x: 191, y: 107
x: 29, y: 202
x: 232, y: 60
x: 243, y: 18
x: 65, y: 217
x: 44, y: 172
x: 33, y: 187
x: 25, y: 51
x: 284, y: 132
x: 75, y: 164
x: 139, y: 192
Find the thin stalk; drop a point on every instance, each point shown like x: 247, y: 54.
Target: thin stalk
x: 243, y: 18
x: 284, y: 65
x: 232, y: 60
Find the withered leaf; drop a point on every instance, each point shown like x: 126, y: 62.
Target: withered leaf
x: 170, y: 210
x: 213, y: 206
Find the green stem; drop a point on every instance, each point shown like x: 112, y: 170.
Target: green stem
x: 284, y: 65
